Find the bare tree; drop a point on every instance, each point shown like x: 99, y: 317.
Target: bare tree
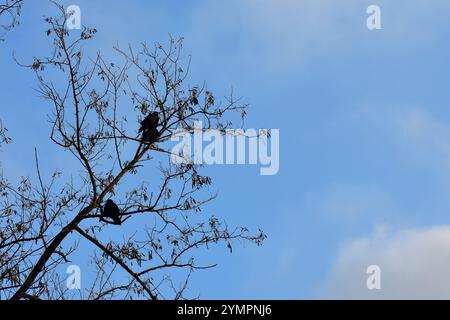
x: 9, y: 12
x: 96, y: 108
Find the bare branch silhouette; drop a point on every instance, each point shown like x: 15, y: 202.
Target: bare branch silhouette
x: 97, y: 106
x: 4, y: 138
x: 9, y: 12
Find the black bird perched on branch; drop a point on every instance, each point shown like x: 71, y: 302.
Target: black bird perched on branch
x: 111, y: 210
x: 148, y: 127
x: 150, y: 122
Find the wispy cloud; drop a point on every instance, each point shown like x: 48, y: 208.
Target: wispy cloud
x: 287, y: 34
x: 275, y: 34
x: 414, y: 265
x: 424, y: 132
x: 421, y: 134
x: 350, y: 203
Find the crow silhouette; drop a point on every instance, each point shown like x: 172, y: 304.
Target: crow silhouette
x: 149, y: 127
x: 150, y: 122
x: 111, y: 210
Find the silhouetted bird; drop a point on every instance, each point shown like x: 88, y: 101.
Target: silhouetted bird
x: 149, y: 127
x: 111, y: 210
x: 150, y: 122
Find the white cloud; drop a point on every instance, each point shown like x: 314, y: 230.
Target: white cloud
x: 415, y: 264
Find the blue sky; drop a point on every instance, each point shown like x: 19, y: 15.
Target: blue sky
x: 364, y: 132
